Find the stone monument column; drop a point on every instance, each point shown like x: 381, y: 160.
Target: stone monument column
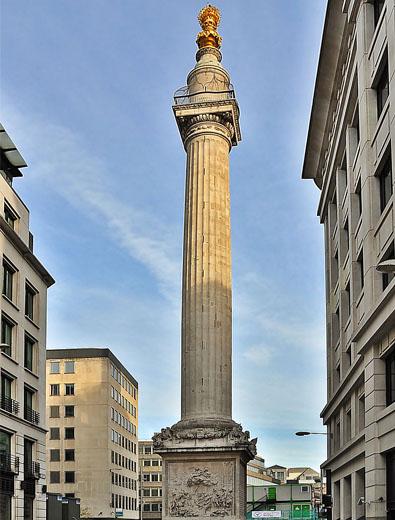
x: 205, y: 453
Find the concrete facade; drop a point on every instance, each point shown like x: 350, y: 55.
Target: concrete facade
x: 150, y: 464
x: 92, y: 418
x: 206, y: 452
x: 350, y: 154
x: 23, y: 308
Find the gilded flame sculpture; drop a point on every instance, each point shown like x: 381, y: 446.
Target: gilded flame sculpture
x: 209, y: 18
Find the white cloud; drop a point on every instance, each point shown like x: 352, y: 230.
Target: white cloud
x: 61, y: 161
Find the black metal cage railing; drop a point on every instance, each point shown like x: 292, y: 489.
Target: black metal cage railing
x: 9, y: 405
x: 31, y: 415
x: 9, y: 463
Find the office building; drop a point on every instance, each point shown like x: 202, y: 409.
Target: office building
x: 22, y: 357
x: 92, y: 417
x: 350, y: 154
x: 150, y: 464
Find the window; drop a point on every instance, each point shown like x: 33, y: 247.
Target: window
x: 6, y: 402
x: 347, y: 424
x: 54, y: 411
x: 147, y: 463
x: 54, y: 477
x: 154, y: 462
x: 382, y: 90
x: 147, y: 450
x: 29, y: 352
x: 390, y: 377
x: 9, y: 215
x: 55, y: 389
x: 55, y: 367
x: 69, y: 433
x: 69, y: 367
x: 378, y: 7
x: 155, y: 492
x: 30, y: 294
x: 146, y: 507
x: 358, y: 193
x: 69, y: 389
x: 29, y: 413
x: 8, y: 279
x: 6, y: 335
x: 146, y: 477
x: 390, y: 464
x: 361, y: 412
x: 54, y: 434
x: 69, y: 455
x: 154, y: 507
x: 69, y: 477
x: 54, y: 455
x: 154, y: 477
x: 360, y: 274
x: 385, y: 178
x: 69, y: 411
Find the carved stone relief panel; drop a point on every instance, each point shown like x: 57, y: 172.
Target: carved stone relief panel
x: 201, y: 488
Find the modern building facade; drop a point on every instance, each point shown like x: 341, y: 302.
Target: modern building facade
x: 92, y: 418
x: 150, y: 464
x: 350, y: 154
x: 23, y: 308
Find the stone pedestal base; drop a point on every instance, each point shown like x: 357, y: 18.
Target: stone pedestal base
x: 204, y: 471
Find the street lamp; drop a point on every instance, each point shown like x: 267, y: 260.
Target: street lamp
x: 386, y: 266
x: 303, y: 434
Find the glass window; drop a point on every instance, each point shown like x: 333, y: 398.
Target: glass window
x: 154, y: 462
x: 69, y: 411
x: 55, y: 367
x: 382, y: 90
x: 29, y: 352
x: 147, y: 450
x: 378, y: 7
x: 69, y: 433
x: 69, y: 455
x: 54, y: 455
x: 146, y: 507
x: 55, y: 389
x: 54, y: 411
x: 155, y: 492
x: 54, y: 477
x: 390, y: 377
x: 54, y: 433
x: 69, y: 367
x: 9, y: 215
x: 154, y: 507
x: 6, y: 335
x: 385, y: 178
x: 69, y: 477
x: 147, y: 463
x: 69, y: 388
x: 8, y: 280
x: 30, y: 295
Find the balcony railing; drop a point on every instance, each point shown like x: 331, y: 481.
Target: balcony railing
x: 31, y: 415
x: 32, y: 470
x: 9, y: 405
x: 9, y: 463
x: 183, y: 96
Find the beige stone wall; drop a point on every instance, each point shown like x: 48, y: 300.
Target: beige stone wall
x: 98, y: 475
x: 359, y: 233
x: 14, y: 365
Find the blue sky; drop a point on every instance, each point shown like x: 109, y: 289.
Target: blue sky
x: 86, y: 94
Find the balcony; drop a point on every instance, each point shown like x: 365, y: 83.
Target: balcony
x: 31, y: 415
x: 9, y: 405
x: 182, y: 96
x: 32, y: 470
x: 9, y: 463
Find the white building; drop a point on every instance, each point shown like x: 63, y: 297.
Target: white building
x: 22, y: 358
x: 350, y: 154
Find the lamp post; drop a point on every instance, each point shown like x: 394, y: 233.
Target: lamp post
x: 303, y: 434
x: 328, y: 474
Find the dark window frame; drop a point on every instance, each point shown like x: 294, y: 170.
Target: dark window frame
x: 390, y: 377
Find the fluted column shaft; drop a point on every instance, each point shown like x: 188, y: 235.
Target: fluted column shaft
x: 207, y: 292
